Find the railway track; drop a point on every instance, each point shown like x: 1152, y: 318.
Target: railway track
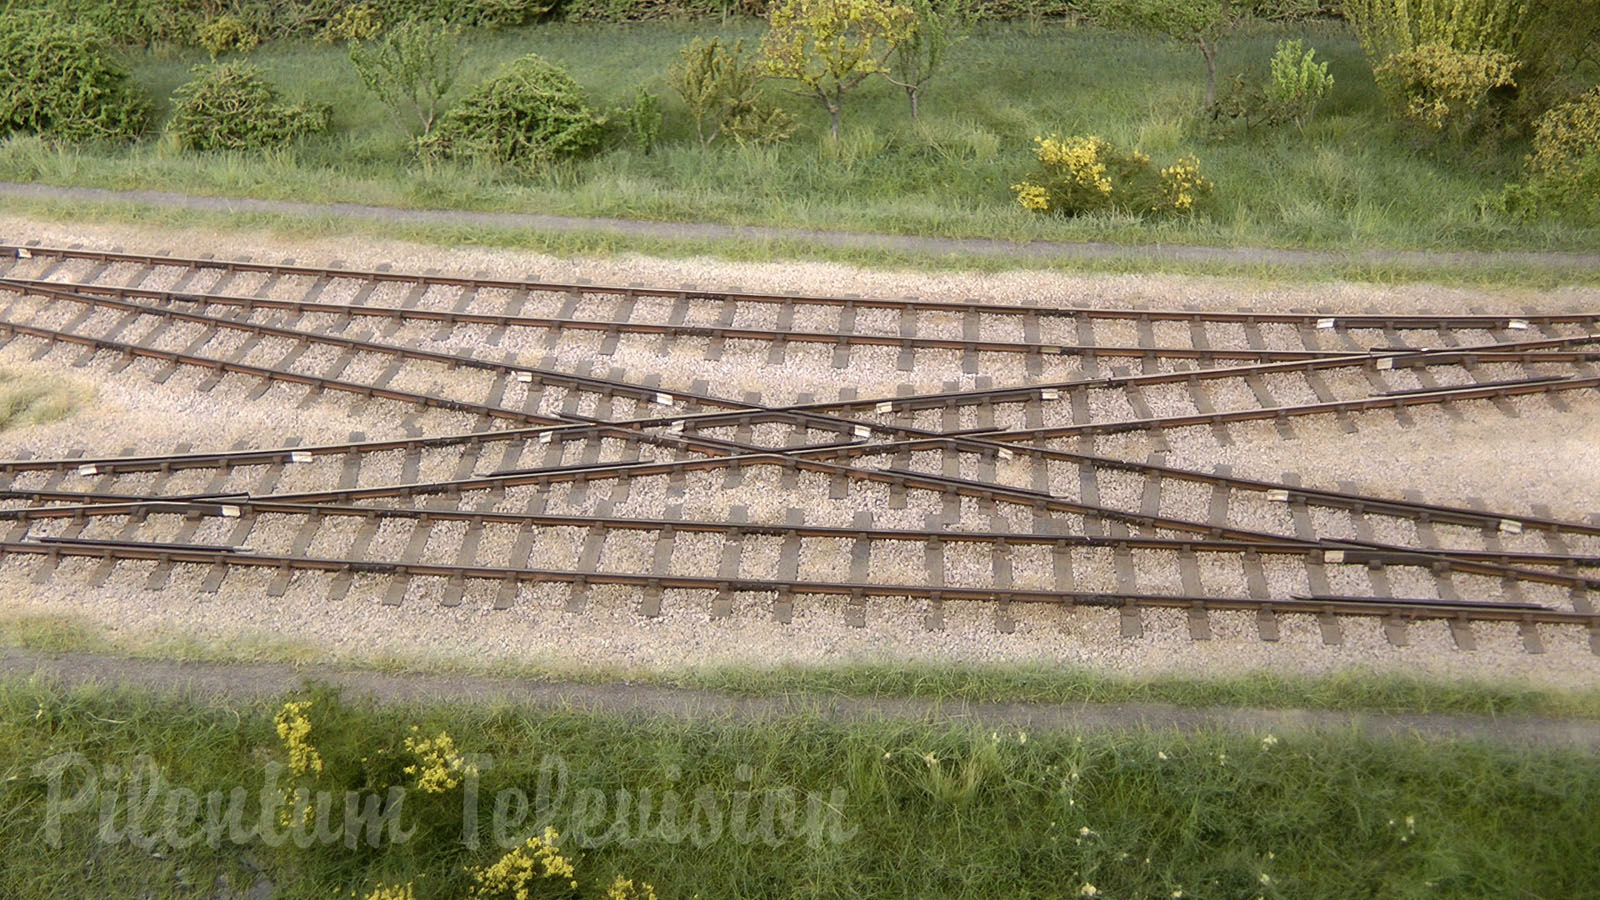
x: 961, y: 493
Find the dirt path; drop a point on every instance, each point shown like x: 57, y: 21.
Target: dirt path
x: 258, y: 681
x: 1032, y: 250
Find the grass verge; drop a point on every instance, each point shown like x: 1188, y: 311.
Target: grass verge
x: 1351, y: 690
x: 790, y: 808
x: 601, y: 244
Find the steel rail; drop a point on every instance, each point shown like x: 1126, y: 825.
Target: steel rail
x: 1017, y: 496
x: 728, y: 332
x: 1331, y: 551
x: 1361, y: 320
x: 1377, y: 607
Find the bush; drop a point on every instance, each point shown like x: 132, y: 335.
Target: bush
x: 1442, y: 89
x: 410, y: 71
x: 1388, y: 27
x: 233, y: 107
x: 1564, y: 167
x: 226, y: 33
x: 1297, y: 82
x: 1088, y: 174
x: 722, y: 88
x: 529, y: 115
x: 59, y: 81
x: 356, y: 23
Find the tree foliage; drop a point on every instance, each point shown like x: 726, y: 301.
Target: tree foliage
x: 828, y: 47
x: 410, y: 71
x: 722, y: 88
x: 940, y: 25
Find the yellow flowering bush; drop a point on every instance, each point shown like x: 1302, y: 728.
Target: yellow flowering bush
x: 1444, y: 89
x: 438, y: 767
x: 294, y: 729
x: 1088, y: 173
x: 519, y: 872
x: 625, y: 889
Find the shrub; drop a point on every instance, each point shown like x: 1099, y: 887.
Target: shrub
x: 1087, y: 174
x: 226, y: 33
x: 233, y: 107
x: 529, y: 115
x: 1297, y: 82
x: 722, y: 88
x: 59, y: 81
x: 1442, y: 89
x: 1564, y: 167
x: 410, y: 71
x: 828, y: 47
x: 1388, y: 27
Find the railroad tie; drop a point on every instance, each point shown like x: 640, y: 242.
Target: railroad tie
x: 1376, y: 574
x: 514, y: 303
x: 729, y: 565
x: 718, y: 341
x: 1150, y: 500
x: 1088, y: 363
x: 788, y: 567
x: 1201, y: 400
x: 47, y: 565
x: 588, y: 563
x: 302, y: 543
x: 907, y: 360
x: 933, y: 566
x: 855, y: 612
x: 971, y: 331
x: 1265, y: 400
x: 409, y: 301
x: 464, y: 302
x: 1128, y: 586
x: 847, y: 325
x: 1000, y: 563
x: 779, y: 351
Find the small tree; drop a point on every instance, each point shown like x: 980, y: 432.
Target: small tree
x: 1205, y: 22
x: 722, y: 88
x: 941, y: 24
x: 829, y: 47
x: 410, y: 71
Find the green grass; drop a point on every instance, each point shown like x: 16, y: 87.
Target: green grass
x: 1351, y: 179
x: 1501, y: 275
x: 29, y: 400
x: 1349, y: 690
x: 923, y: 812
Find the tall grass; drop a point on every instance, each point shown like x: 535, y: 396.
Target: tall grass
x: 925, y: 812
x: 1350, y: 179
x: 29, y: 400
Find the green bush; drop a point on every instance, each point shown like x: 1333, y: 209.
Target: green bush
x: 1564, y: 167
x: 1080, y: 175
x: 1445, y: 90
x: 531, y: 114
x: 233, y: 107
x: 1297, y: 82
x: 226, y: 33
x: 410, y: 71
x: 722, y: 88
x: 58, y: 80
